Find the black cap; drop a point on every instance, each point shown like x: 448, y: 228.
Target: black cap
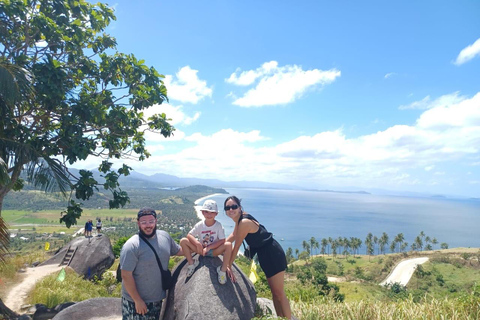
x: 146, y: 211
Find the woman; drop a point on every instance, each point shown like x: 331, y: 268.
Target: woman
x: 270, y: 254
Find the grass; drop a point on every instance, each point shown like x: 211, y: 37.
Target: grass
x: 51, y: 292
x: 466, y: 308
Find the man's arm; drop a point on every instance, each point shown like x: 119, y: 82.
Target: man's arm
x: 130, y: 286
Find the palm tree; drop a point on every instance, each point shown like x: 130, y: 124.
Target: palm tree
x: 324, y: 245
x: 297, y: 252
x: 312, y: 244
x: 383, y: 242
x: 306, y: 246
x: 375, y: 242
x: 419, y: 242
x: 399, y: 239
x: 434, y: 242
x: 16, y: 89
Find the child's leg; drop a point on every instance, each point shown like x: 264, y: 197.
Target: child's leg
x: 226, y: 250
x: 188, y: 248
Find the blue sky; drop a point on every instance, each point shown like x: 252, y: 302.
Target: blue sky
x: 337, y: 94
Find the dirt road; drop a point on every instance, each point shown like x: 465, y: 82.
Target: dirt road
x: 404, y: 271
x: 18, y: 294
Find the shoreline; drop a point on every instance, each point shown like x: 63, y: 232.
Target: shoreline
x: 197, y: 207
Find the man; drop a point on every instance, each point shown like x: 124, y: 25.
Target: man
x: 142, y: 291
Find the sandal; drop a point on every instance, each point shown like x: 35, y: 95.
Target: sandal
x: 191, y: 268
x: 222, y: 275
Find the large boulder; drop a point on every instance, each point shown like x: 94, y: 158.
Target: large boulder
x: 96, y: 308
x: 91, y: 256
x: 202, y: 297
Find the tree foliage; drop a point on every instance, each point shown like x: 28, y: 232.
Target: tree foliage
x: 68, y: 95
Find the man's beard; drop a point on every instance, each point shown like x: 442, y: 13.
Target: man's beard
x: 148, y: 235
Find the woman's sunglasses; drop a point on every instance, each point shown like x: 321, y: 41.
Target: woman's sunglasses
x: 233, y: 207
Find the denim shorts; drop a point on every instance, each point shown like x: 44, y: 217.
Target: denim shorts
x: 129, y: 312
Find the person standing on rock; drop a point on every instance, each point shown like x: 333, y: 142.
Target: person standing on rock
x: 142, y: 291
x: 88, y: 228
x: 270, y: 254
x: 99, y: 226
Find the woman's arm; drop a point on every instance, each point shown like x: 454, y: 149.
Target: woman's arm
x: 243, y: 229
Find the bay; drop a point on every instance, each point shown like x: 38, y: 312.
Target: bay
x: 294, y: 216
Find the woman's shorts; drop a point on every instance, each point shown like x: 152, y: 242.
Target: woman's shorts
x: 272, y: 258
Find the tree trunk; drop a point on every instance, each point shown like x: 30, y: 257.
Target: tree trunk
x: 6, y: 313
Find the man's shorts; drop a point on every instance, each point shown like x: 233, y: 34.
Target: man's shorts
x: 129, y: 312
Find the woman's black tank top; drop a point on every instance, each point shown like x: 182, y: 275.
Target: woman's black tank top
x: 259, y: 238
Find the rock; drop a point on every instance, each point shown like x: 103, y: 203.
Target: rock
x: 24, y: 317
x: 62, y: 306
x: 202, y: 297
x: 95, y: 308
x: 92, y: 257
x: 266, y: 306
x: 43, y: 313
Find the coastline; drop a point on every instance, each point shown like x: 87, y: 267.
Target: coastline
x: 198, y: 206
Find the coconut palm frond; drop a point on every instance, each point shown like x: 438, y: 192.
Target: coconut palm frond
x: 4, y: 240
x: 15, y: 82
x: 4, y: 176
x: 49, y: 174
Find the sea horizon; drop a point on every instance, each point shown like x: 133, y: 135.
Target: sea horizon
x: 297, y: 215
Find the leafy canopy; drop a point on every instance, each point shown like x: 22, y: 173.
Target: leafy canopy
x: 67, y: 95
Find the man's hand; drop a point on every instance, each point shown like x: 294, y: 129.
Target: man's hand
x: 140, y: 307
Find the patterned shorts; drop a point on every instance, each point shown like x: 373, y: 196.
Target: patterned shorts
x: 129, y: 312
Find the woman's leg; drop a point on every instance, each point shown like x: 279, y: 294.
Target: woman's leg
x: 280, y: 300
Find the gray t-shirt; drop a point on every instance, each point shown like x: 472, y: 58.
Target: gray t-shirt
x: 137, y: 256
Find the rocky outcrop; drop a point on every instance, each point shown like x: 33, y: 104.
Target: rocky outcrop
x: 91, y: 256
x: 202, y: 297
x: 96, y: 308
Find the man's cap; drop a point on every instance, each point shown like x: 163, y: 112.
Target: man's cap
x: 146, y: 211
x: 209, y: 205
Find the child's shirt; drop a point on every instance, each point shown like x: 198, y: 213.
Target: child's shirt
x: 208, y: 235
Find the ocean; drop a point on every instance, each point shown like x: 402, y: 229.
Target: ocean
x: 294, y: 216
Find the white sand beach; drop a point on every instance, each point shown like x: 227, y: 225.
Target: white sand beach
x: 199, y: 202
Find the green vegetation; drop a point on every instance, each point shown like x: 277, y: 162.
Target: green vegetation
x: 447, y: 284
x: 68, y: 94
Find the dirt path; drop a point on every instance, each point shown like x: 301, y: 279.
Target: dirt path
x: 404, y: 271
x: 18, y: 294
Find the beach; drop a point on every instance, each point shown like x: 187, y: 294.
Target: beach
x: 199, y: 202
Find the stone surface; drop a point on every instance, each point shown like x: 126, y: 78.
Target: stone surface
x: 202, y: 297
x: 92, y: 258
x: 267, y: 307
x: 96, y: 308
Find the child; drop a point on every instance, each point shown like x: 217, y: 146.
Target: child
x: 207, y: 238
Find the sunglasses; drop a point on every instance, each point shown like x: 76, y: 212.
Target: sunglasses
x: 233, y: 207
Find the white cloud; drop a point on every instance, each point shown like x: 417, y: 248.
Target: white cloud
x: 393, y: 157
x: 468, y: 53
x: 188, y: 87
x: 176, y: 113
x: 427, y: 103
x: 278, y: 85
x: 389, y: 75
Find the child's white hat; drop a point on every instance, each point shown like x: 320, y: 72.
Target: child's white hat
x: 210, y: 205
